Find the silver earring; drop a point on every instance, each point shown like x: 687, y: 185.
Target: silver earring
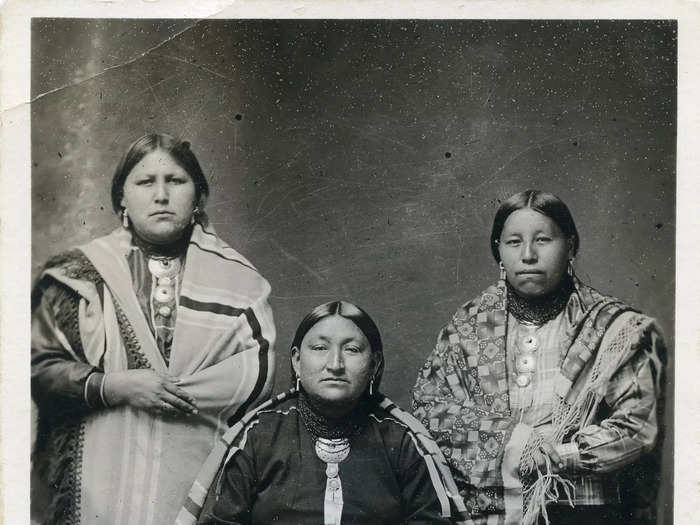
x: 298, y: 384
x: 125, y: 219
x: 502, y: 275
x: 570, y: 267
x: 371, y: 386
x: 195, y: 212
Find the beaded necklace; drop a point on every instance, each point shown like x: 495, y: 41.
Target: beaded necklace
x: 539, y: 310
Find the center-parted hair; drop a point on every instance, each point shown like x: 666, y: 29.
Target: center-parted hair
x: 542, y: 202
x: 353, y: 313
x: 180, y: 152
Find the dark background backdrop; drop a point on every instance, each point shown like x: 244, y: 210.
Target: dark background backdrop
x: 365, y: 159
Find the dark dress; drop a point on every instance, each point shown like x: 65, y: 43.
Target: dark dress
x: 276, y: 477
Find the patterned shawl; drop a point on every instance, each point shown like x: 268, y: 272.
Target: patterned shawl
x: 461, y: 395
x: 136, y: 467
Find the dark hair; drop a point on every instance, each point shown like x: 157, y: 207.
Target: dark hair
x: 353, y: 313
x: 543, y: 202
x: 180, y: 152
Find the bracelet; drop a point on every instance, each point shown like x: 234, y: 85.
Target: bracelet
x: 102, y: 392
x: 85, y: 390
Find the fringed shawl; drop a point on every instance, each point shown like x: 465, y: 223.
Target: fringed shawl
x: 461, y: 395
x: 136, y: 467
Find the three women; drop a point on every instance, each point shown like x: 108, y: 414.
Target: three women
x: 146, y: 344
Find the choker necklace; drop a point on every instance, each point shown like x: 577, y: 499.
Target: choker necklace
x: 539, y: 310
x: 320, y: 426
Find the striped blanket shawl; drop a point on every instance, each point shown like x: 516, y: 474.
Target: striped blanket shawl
x: 137, y: 467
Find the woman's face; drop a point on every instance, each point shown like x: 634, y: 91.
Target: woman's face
x: 534, y: 252
x: 159, y: 197
x: 334, y: 364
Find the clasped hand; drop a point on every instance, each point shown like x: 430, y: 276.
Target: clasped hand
x: 547, y: 452
x: 148, y: 390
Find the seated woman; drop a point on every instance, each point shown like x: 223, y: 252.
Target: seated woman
x: 333, y: 450
x: 147, y: 343
x: 541, y: 389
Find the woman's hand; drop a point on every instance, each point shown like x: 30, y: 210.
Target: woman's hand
x: 547, y: 451
x: 147, y: 390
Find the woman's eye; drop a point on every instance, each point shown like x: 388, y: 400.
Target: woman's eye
x: 543, y: 240
x: 353, y: 349
x: 178, y: 180
x: 318, y: 348
x: 513, y: 242
x: 143, y: 182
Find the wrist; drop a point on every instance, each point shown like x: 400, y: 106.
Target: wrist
x: 569, y: 454
x: 111, y: 391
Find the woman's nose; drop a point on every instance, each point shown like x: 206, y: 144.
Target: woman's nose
x: 335, y: 360
x: 529, y: 254
x: 161, y: 192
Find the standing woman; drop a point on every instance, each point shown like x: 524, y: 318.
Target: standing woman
x: 541, y: 389
x: 147, y: 344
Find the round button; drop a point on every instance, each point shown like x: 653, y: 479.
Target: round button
x: 522, y: 380
x: 165, y: 311
x: 525, y: 363
x: 334, y: 483
x: 529, y: 343
x: 164, y: 267
x: 163, y: 294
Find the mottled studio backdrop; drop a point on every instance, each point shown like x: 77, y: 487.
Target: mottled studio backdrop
x: 365, y: 159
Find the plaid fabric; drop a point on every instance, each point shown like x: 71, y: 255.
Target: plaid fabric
x: 533, y: 404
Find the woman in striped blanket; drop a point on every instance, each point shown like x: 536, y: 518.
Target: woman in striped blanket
x: 541, y: 391
x: 332, y: 450
x: 147, y: 344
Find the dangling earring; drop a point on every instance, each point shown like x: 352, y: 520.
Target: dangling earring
x: 502, y: 276
x: 371, y: 386
x: 298, y: 384
x: 125, y: 219
x: 570, y: 267
x: 195, y: 212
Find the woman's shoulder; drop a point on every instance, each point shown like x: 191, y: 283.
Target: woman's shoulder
x: 66, y: 273
x: 394, y: 423
x: 278, y: 411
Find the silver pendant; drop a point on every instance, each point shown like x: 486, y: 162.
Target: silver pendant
x: 332, y: 450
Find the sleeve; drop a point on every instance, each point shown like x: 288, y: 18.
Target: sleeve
x: 418, y: 495
x: 61, y: 377
x: 628, y: 424
x: 231, y: 496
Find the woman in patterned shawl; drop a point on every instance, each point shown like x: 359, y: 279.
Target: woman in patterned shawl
x: 147, y: 344
x: 542, y: 391
x: 331, y: 451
